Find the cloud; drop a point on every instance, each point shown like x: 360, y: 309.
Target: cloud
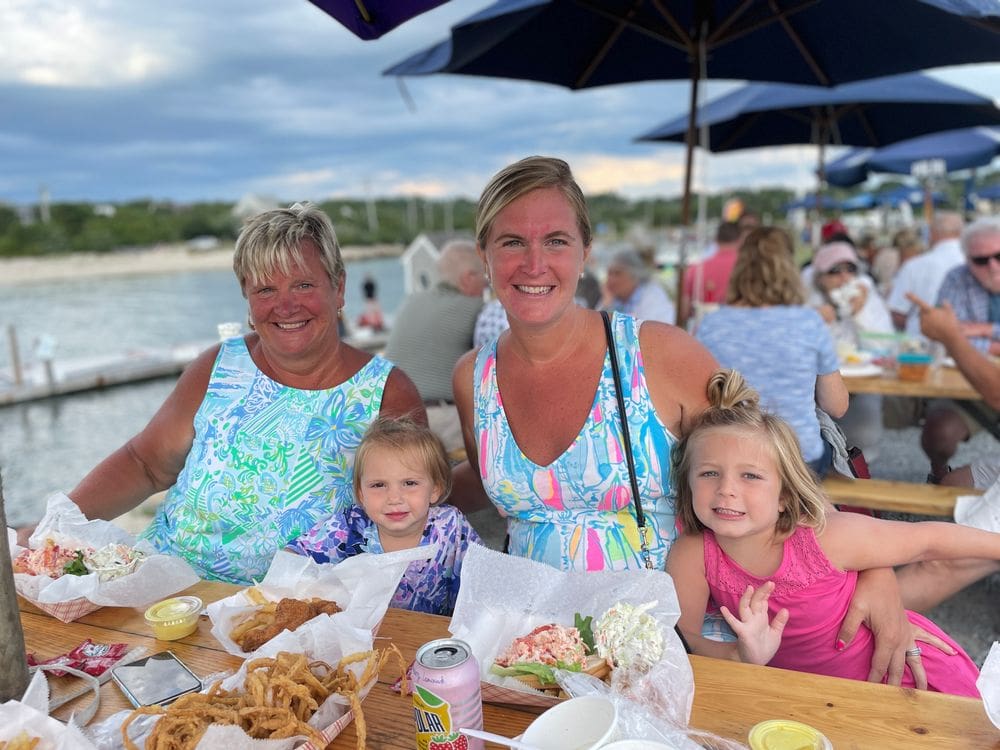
x: 75, y: 45
x: 599, y: 173
x: 118, y: 99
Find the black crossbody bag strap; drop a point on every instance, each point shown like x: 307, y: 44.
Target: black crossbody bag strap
x: 640, y: 517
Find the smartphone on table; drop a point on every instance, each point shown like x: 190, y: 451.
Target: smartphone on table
x: 155, y: 680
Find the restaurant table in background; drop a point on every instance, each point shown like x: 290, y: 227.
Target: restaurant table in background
x: 941, y: 382
x: 729, y: 697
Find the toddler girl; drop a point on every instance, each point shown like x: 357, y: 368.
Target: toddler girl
x: 401, y: 473
x: 758, y: 540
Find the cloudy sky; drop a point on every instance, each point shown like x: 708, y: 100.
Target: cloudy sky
x: 211, y: 99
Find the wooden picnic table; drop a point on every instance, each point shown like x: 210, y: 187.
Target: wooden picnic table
x: 941, y: 382
x: 729, y: 697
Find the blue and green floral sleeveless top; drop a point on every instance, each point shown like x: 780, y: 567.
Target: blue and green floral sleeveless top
x: 266, y: 464
x: 577, y: 512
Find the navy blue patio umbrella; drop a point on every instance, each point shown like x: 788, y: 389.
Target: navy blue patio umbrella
x: 872, y: 113
x: 955, y: 149
x: 586, y: 43
x: 370, y: 19
x: 988, y: 192
x: 813, y: 201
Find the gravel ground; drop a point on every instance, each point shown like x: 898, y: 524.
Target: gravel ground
x: 971, y: 617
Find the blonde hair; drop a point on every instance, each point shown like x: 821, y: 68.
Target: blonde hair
x: 735, y: 406
x: 402, y: 434
x: 521, y: 177
x: 272, y: 241
x: 765, y: 272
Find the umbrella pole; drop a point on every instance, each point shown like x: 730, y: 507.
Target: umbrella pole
x: 821, y: 180
x: 696, y: 72
x: 928, y: 201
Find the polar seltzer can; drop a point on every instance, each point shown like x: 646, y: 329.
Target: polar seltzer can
x: 446, y: 696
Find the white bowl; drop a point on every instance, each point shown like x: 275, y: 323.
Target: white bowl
x: 637, y: 745
x: 583, y: 723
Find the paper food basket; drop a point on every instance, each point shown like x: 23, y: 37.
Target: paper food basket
x: 503, y: 597
x: 65, y: 611
x: 70, y: 597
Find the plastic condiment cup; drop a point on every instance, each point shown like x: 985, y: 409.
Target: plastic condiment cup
x: 582, y: 723
x: 174, y: 618
x: 912, y: 365
x: 782, y: 734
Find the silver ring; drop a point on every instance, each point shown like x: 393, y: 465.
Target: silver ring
x: 915, y: 651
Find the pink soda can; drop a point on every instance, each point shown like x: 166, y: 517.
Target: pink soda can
x: 446, y: 696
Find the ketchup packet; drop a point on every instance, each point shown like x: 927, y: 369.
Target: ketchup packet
x: 92, y: 658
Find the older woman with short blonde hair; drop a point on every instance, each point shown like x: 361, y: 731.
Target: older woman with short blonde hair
x: 257, y: 440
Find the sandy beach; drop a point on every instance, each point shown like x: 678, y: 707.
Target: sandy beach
x: 153, y: 260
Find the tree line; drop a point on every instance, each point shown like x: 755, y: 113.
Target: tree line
x: 86, y: 227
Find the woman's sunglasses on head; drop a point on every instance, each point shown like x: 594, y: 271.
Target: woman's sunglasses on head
x: 984, y: 260
x: 841, y: 268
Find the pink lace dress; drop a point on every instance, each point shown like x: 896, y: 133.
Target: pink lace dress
x: 817, y: 596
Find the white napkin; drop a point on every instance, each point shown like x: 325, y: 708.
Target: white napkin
x: 989, y: 684
x: 30, y: 714
x: 980, y: 511
x: 362, y: 585
x: 157, y: 577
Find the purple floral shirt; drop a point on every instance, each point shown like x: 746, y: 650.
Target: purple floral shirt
x: 428, y: 585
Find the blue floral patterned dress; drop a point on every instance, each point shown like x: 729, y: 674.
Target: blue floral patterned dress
x: 427, y: 586
x: 577, y: 512
x: 267, y: 463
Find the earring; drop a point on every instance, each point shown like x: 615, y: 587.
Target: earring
x: 340, y: 312
x: 250, y: 324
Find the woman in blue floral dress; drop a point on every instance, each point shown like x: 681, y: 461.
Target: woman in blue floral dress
x: 256, y: 442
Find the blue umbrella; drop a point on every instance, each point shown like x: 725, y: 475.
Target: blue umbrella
x: 914, y: 195
x: 370, y: 19
x: 957, y: 149
x: 989, y: 192
x: 875, y: 112
x: 584, y: 43
x: 825, y: 202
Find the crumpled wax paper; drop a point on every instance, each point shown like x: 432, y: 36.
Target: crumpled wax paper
x: 980, y: 511
x: 989, y: 684
x: 155, y: 578
x: 362, y: 585
x: 30, y: 714
x: 503, y: 597
x: 339, y: 639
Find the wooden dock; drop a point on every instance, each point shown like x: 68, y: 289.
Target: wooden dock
x: 40, y: 380
x: 62, y: 377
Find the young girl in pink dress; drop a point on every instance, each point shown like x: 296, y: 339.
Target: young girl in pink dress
x: 759, y: 541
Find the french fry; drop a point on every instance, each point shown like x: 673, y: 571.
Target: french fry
x: 256, y: 596
x: 22, y: 741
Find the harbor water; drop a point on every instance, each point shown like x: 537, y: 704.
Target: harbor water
x: 49, y: 445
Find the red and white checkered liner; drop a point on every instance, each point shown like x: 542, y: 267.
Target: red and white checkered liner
x: 331, y: 731
x: 66, y: 611
x: 510, y: 697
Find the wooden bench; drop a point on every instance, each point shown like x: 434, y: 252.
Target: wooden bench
x: 898, y: 497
